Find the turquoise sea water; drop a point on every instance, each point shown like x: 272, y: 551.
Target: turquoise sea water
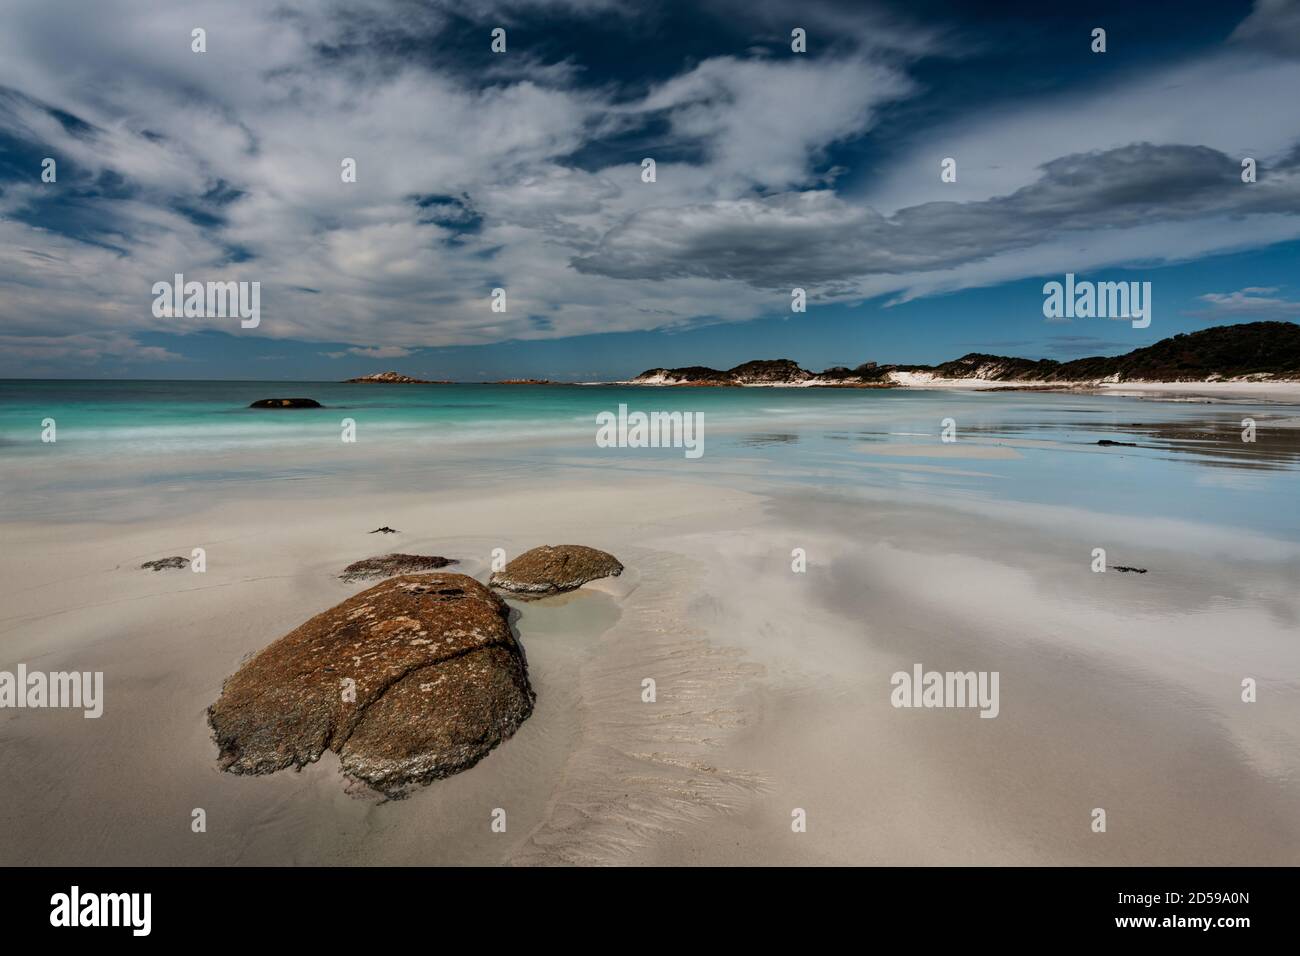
x: 1187, y: 459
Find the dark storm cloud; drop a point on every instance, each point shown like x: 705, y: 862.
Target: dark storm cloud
x: 815, y: 237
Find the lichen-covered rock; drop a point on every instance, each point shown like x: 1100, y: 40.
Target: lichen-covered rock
x: 393, y: 564
x: 552, y: 569
x: 411, y: 680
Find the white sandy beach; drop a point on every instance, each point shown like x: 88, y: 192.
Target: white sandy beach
x: 1118, y: 691
x: 1285, y: 392
x: 1280, y: 392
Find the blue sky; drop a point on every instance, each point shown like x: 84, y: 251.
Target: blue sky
x: 522, y: 170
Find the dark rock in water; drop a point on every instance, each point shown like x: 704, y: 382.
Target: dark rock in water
x: 1124, y: 567
x: 161, y: 563
x: 384, y: 530
x: 393, y: 564
x: 414, y: 679
x: 550, y: 570
x: 1106, y: 442
x: 286, y: 403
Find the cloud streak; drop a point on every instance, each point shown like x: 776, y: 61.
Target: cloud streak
x: 818, y: 237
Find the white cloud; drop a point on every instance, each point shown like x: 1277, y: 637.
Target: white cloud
x: 387, y: 351
x: 1254, y: 300
x: 762, y: 120
x: 261, y: 116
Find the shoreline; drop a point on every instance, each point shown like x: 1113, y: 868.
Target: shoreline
x: 1285, y: 391
x: 1280, y: 391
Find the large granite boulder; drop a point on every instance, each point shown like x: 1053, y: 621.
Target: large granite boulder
x: 552, y: 569
x: 411, y: 680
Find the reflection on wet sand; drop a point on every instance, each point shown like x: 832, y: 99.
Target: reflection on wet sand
x: 772, y: 438
x: 1215, y: 439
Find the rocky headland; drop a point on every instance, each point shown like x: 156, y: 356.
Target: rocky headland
x: 1249, y: 352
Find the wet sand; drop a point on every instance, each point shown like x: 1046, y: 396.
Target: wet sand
x: 772, y: 687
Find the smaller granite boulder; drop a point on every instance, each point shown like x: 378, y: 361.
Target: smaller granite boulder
x: 393, y: 564
x: 285, y: 403
x: 552, y: 569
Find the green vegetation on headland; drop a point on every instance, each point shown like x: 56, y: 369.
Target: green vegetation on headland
x: 1267, y: 351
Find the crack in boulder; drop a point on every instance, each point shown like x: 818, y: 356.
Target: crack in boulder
x: 414, y: 679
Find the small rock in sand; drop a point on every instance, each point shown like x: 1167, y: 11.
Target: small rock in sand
x: 161, y: 563
x: 384, y: 530
x: 393, y: 564
x: 552, y: 569
x: 414, y: 679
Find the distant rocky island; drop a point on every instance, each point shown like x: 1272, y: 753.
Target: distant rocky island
x: 1253, y: 351
x: 397, y: 378
x: 392, y: 378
